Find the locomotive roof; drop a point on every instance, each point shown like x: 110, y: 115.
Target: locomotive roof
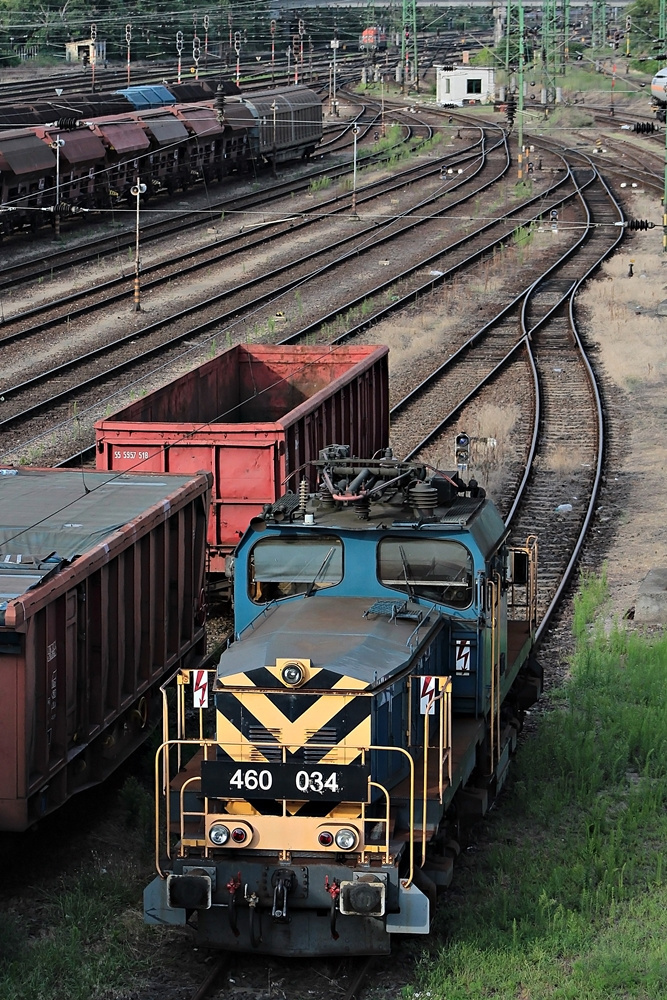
x: 476, y: 517
x: 352, y: 636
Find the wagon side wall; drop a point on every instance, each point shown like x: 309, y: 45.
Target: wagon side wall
x: 83, y: 655
x: 342, y: 397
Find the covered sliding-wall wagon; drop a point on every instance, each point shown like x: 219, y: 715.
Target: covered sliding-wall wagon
x: 256, y: 417
x: 101, y: 579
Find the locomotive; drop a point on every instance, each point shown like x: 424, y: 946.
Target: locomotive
x: 97, y: 163
x: 659, y: 94
x: 373, y: 39
x: 368, y: 705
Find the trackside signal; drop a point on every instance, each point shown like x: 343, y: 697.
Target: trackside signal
x: 462, y: 451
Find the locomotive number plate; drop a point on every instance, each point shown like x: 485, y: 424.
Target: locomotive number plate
x: 224, y: 779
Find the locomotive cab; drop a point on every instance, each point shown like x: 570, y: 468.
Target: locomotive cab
x: 380, y: 664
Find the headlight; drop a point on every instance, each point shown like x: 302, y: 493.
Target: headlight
x: 346, y: 839
x: 292, y: 674
x: 218, y: 834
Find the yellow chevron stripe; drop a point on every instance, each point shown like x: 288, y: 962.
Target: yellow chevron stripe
x: 345, y: 752
x: 294, y: 733
x: 350, y: 684
x: 236, y: 680
x: 234, y: 742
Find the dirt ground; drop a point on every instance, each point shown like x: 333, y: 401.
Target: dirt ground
x: 619, y: 317
x: 622, y: 317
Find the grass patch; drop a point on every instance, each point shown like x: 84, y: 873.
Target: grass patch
x: 320, y: 183
x: 569, y: 898
x: 88, y: 947
x: 82, y: 937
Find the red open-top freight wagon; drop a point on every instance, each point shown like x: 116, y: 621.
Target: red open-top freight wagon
x: 101, y: 582
x: 254, y: 416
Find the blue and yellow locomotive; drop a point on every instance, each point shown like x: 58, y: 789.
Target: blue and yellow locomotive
x: 371, y: 697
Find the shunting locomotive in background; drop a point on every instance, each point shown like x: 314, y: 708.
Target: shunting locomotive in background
x: 372, y: 696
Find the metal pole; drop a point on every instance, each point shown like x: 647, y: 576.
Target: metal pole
x: 383, y: 129
x: 179, y: 49
x: 520, y: 103
x: 355, y: 133
x: 58, y: 142
x: 415, y: 44
x: 273, y: 108
x: 93, y: 54
x: 334, y: 45
x: 507, y: 41
x: 137, y: 191
x: 128, y: 39
x: 403, y: 56
x: 273, y: 52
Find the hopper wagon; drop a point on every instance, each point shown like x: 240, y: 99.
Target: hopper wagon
x: 255, y: 417
x: 101, y: 578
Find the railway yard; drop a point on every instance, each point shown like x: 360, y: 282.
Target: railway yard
x: 524, y: 316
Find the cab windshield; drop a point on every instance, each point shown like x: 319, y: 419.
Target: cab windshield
x: 282, y: 567
x: 439, y: 570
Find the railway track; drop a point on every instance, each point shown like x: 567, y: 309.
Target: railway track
x: 550, y: 372
x: 63, y: 397
x: 16, y: 397
x: 531, y: 332
x: 216, y: 251
x: 43, y: 265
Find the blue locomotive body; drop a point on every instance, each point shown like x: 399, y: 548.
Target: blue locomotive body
x: 372, y: 695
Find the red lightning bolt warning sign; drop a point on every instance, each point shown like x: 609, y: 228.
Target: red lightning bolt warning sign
x: 463, y: 657
x: 200, y: 689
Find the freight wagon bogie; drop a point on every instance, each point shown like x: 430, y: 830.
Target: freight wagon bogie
x: 370, y: 702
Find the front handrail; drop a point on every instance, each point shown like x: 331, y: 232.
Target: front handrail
x: 162, y: 762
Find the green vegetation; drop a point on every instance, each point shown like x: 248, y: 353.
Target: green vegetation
x: 320, y: 183
x: 522, y: 236
x: 569, y: 898
x: 91, y: 932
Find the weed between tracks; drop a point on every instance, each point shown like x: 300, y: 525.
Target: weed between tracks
x: 568, y: 897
